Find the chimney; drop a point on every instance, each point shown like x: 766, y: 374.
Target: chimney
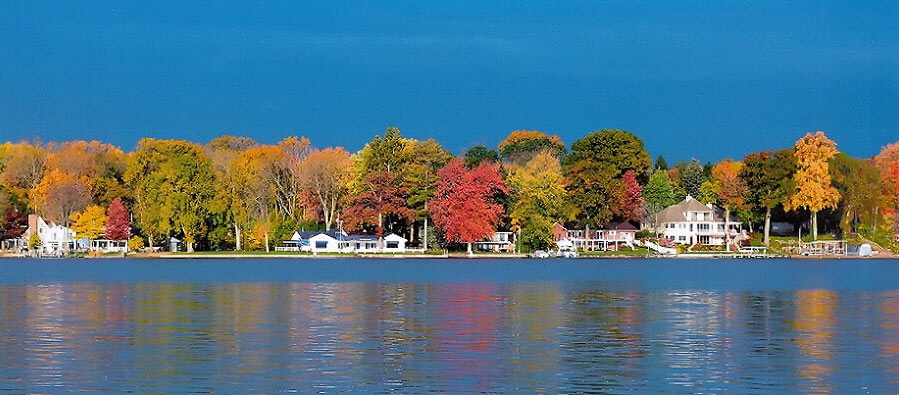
x: 32, y: 224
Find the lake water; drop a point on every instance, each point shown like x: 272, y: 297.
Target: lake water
x: 450, y: 326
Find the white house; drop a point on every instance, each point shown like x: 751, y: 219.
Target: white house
x: 337, y: 240
x: 691, y: 222
x: 106, y: 245
x: 609, y: 237
x: 54, y: 238
x: 499, y: 242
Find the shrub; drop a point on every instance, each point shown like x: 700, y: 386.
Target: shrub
x: 136, y: 243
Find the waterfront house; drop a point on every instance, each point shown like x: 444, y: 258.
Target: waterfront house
x: 338, y: 241
x: 691, y: 222
x: 608, y: 237
x: 55, y: 238
x: 107, y: 246
x: 498, y: 242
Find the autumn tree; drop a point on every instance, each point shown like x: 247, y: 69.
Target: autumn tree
x: 118, y: 221
x: 465, y: 206
x: 479, y: 153
x: 888, y: 163
x: 101, y: 164
x: 381, y: 191
x: 768, y: 176
x: 632, y: 207
x: 59, y: 195
x: 89, y: 223
x: 328, y: 174
x: 172, y: 183
x: 22, y: 167
x: 227, y: 206
x: 539, y: 199
x: 814, y: 189
x: 522, y: 145
x: 708, y: 194
x: 382, y: 197
x: 255, y: 201
x: 594, y: 168
x: 14, y: 225
x: 731, y: 191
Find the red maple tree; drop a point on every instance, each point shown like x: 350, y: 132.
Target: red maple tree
x: 631, y: 203
x: 118, y: 221
x: 465, y: 206
x: 382, y: 195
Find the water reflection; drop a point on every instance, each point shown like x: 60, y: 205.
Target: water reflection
x: 546, y: 337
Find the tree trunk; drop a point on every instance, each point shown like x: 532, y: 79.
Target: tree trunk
x: 267, y: 248
x: 190, y: 246
x: 237, y: 245
x: 727, y: 229
x: 469, y: 250
x: 767, y: 226
x: 381, y: 233
x: 814, y: 225
x: 411, y: 231
x: 425, y: 233
x: 150, y: 239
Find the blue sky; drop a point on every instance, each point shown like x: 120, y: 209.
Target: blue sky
x: 694, y: 79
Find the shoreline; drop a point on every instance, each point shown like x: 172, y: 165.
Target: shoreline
x: 206, y: 256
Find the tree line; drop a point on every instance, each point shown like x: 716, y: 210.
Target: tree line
x: 236, y: 193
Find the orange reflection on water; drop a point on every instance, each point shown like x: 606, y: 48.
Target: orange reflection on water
x: 815, y: 320
x: 890, y: 324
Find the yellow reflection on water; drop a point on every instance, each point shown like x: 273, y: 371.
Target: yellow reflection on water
x: 815, y: 321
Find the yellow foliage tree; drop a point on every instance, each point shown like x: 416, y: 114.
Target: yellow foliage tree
x: 814, y: 188
x: 540, y: 199
x: 89, y: 223
x: 327, y: 175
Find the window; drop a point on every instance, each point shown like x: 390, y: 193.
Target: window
x: 682, y: 238
x: 320, y: 245
x: 393, y: 244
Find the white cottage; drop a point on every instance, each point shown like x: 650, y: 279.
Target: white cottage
x: 338, y: 241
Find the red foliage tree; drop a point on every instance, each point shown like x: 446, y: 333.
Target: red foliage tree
x: 383, y: 195
x: 465, y: 207
x: 118, y: 221
x: 631, y: 205
x: 14, y: 224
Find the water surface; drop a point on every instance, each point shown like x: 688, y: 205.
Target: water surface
x: 412, y: 326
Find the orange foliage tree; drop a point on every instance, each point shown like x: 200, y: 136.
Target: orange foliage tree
x: 731, y: 191
x: 888, y: 163
x: 814, y: 188
x: 59, y: 195
x: 521, y: 145
x: 102, y: 164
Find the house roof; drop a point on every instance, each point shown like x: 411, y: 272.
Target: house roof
x: 619, y: 226
x: 308, y: 234
x: 676, y: 213
x: 362, y: 237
